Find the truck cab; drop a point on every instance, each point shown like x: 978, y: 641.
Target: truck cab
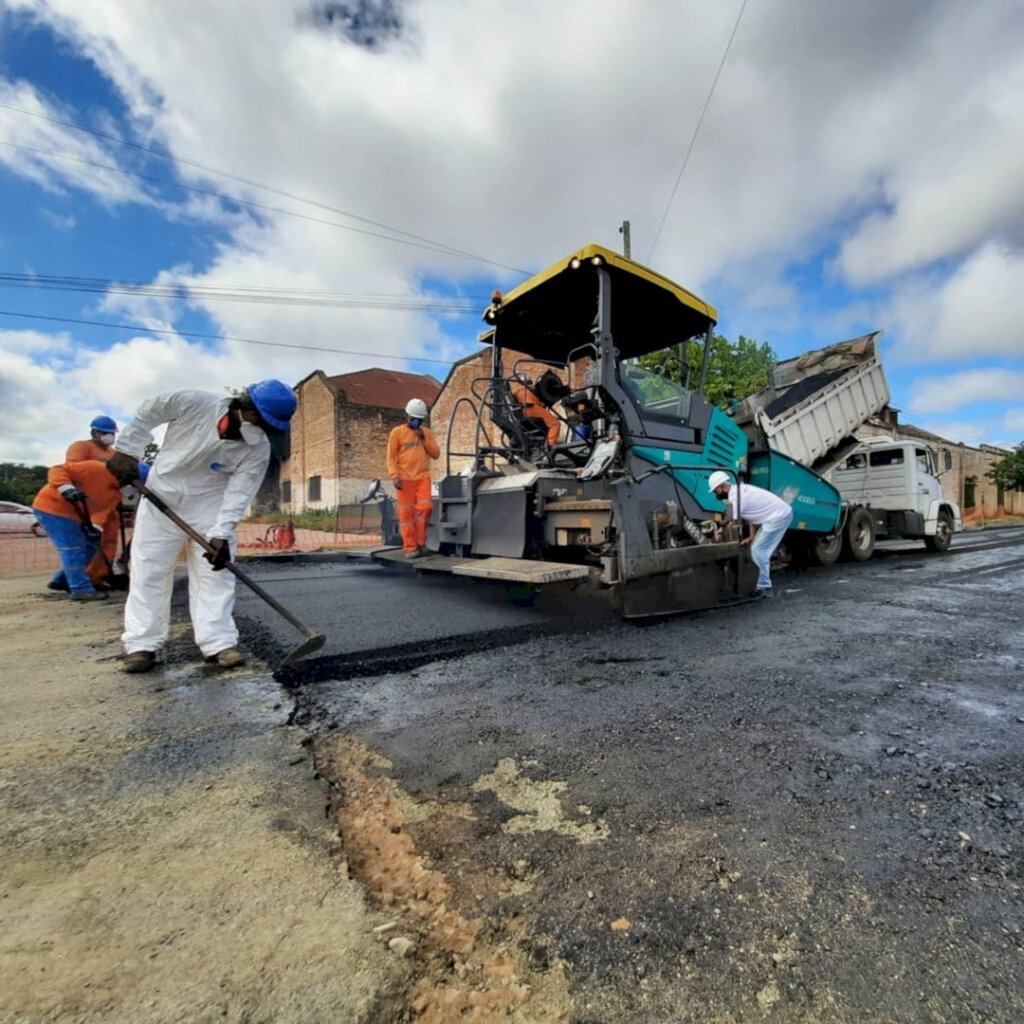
x: 897, y: 481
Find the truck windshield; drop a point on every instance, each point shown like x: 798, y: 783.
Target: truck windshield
x: 657, y: 397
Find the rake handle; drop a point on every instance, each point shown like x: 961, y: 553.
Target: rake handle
x: 195, y: 535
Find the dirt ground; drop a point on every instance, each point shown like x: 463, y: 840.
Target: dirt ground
x: 167, y: 853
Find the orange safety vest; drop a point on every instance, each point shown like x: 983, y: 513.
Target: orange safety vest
x: 82, y: 451
x: 100, y: 486
x: 408, y: 452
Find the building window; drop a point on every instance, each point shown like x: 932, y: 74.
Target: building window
x: 970, y: 491
x: 286, y: 492
x: 313, y: 488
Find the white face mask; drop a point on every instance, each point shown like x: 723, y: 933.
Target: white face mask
x: 251, y: 434
x: 107, y: 439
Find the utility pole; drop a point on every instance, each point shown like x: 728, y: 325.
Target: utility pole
x: 624, y: 231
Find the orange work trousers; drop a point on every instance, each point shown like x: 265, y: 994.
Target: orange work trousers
x: 99, y: 568
x: 414, y: 503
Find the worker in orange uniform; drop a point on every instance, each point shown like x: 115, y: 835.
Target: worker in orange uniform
x: 100, y: 446
x: 534, y: 409
x: 77, y: 501
x: 409, y: 447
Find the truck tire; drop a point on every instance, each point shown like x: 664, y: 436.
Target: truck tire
x: 816, y: 550
x: 859, y: 535
x: 943, y: 534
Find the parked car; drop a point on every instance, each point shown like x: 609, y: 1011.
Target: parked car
x: 15, y: 518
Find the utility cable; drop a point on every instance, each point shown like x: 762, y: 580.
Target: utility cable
x: 458, y: 305
x: 247, y: 202
x: 206, y: 168
x: 696, y: 131
x: 139, y: 328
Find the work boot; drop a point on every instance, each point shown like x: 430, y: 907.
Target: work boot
x: 425, y: 552
x: 138, y: 661
x: 230, y: 657
x: 59, y: 585
x: 91, y: 595
x: 418, y: 553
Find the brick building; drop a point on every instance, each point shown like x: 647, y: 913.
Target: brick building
x: 965, y: 482
x: 338, y: 436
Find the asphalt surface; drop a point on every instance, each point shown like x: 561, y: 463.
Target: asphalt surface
x: 806, y: 809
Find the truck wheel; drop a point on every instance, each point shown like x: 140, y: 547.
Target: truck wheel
x: 859, y: 535
x: 817, y: 550
x: 943, y: 534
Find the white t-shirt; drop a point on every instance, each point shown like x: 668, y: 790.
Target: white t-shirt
x: 757, y: 505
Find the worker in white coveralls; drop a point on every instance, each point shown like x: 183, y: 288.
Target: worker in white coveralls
x: 767, y: 515
x: 210, y: 464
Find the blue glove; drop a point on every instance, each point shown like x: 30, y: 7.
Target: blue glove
x: 143, y: 471
x: 72, y: 494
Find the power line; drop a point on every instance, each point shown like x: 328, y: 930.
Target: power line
x: 696, y: 131
x: 282, y: 297
x: 110, y: 136
x: 219, y: 337
x: 249, y: 203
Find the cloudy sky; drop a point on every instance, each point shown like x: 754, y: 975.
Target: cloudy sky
x: 352, y: 176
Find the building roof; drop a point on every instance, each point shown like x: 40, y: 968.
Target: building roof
x: 387, y: 389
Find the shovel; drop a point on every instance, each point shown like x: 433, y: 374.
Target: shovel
x: 312, y: 641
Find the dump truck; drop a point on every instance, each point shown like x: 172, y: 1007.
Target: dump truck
x: 810, y: 412
x: 622, y: 504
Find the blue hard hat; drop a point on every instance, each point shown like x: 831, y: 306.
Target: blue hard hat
x: 274, y: 401
x: 104, y: 424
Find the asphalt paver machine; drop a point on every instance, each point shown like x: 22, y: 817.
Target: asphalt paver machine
x: 622, y: 502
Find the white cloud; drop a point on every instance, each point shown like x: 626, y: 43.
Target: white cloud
x: 55, y: 157
x: 526, y: 141
x: 34, y: 341
x: 956, y: 193
x: 975, y: 312
x: 954, y: 391
x: 967, y: 432
x: 61, y: 221
x: 1014, y: 421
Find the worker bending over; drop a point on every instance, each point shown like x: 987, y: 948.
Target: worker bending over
x: 74, y: 506
x: 409, y: 447
x: 99, y: 446
x: 768, y: 517
x: 209, y: 467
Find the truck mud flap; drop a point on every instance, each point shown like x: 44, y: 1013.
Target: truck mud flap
x: 686, y: 580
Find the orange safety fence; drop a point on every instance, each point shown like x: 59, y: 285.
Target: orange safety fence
x: 22, y: 552
x: 257, y: 537
x: 25, y: 553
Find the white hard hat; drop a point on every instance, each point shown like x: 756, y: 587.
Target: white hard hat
x: 717, y: 479
x: 416, y: 409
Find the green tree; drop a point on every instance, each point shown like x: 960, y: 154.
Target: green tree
x: 1008, y: 472
x: 735, y: 369
x: 20, y: 483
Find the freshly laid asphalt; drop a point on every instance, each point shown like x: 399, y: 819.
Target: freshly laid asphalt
x: 806, y: 809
